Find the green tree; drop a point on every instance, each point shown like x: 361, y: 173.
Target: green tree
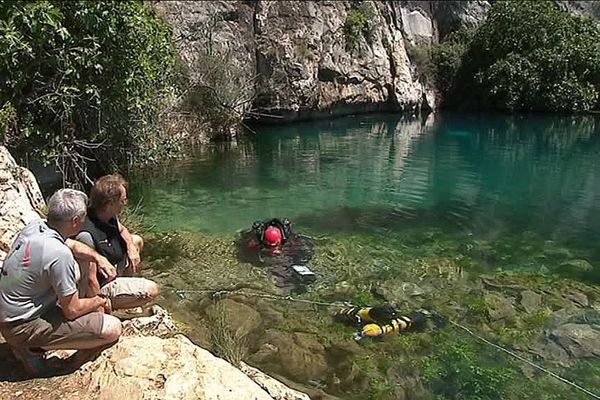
x: 84, y: 79
x: 531, y: 56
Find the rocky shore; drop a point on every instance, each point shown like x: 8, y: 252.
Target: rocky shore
x: 151, y: 361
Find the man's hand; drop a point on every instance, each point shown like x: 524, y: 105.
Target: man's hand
x: 107, y: 270
x: 134, y: 258
x: 107, y: 306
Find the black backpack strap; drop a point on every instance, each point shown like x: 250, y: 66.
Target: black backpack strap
x: 259, y: 228
x: 284, y: 225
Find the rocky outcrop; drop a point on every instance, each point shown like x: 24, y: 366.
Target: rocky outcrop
x: 174, y: 368
x: 20, y: 200
x: 305, y: 64
x: 579, y: 340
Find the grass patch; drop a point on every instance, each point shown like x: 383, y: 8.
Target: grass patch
x: 228, y: 343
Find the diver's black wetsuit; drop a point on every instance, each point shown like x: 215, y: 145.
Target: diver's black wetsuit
x: 285, y: 260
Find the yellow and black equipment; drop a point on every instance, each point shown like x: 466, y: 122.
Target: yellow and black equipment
x: 361, y: 315
x: 396, y: 325
x: 378, y: 321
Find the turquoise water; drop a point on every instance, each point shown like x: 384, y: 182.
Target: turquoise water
x: 481, y: 176
x: 396, y: 204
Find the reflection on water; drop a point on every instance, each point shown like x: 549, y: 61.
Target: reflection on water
x: 481, y: 175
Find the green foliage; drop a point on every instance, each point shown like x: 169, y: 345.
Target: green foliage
x: 220, y: 95
x: 531, y: 56
x: 457, y: 370
x: 439, y: 63
x: 447, y: 56
x: 79, y: 73
x: 7, y: 121
x: 421, y: 57
x: 359, y: 22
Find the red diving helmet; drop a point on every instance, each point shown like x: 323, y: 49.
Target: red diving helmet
x: 272, y: 236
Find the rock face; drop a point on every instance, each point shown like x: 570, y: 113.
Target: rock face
x: 300, y: 61
x: 304, y: 61
x: 20, y: 200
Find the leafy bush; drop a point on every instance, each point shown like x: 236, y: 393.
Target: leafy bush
x: 447, y: 56
x: 84, y: 78
x: 421, y: 56
x: 439, y: 63
x: 358, y: 22
x: 531, y: 56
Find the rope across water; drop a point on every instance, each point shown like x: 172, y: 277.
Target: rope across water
x: 218, y: 294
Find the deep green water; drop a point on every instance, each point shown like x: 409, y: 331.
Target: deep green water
x: 394, y: 202
x: 483, y: 177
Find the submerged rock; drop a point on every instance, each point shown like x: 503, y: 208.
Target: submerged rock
x: 530, y: 301
x: 575, y: 266
x: 500, y: 308
x: 297, y: 355
x: 237, y: 316
x: 394, y: 292
x: 579, y: 340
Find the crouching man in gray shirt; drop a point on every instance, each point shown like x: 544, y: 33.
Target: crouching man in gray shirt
x: 40, y: 308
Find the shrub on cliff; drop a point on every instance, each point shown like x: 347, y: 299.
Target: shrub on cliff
x: 83, y: 78
x: 359, y: 22
x: 439, y: 63
x: 531, y: 56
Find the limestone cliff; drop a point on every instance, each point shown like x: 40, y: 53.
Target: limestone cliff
x: 301, y: 62
x: 305, y: 63
x: 20, y: 200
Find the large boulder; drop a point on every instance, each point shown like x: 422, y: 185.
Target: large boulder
x: 148, y: 367
x: 299, y: 356
x: 530, y: 301
x: 500, y: 308
x: 579, y: 340
x: 21, y: 200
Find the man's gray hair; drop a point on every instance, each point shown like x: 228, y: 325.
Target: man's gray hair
x: 65, y: 204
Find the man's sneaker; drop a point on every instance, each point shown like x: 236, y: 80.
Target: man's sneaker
x: 34, y: 362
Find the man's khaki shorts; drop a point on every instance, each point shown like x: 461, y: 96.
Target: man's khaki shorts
x: 52, y: 329
x: 127, y: 286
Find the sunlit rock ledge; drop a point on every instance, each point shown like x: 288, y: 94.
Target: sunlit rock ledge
x: 150, y: 361
x: 147, y: 365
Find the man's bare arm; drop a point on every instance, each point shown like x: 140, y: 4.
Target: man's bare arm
x: 73, y: 307
x: 93, y: 288
x: 132, y: 251
x: 87, y: 254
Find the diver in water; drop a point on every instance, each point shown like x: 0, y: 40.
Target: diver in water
x: 273, y: 244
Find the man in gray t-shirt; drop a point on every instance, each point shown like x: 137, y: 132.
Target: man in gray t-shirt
x: 38, y: 269
x: 40, y: 308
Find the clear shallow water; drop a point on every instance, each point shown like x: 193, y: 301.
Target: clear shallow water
x: 394, y: 202
x: 484, y: 176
